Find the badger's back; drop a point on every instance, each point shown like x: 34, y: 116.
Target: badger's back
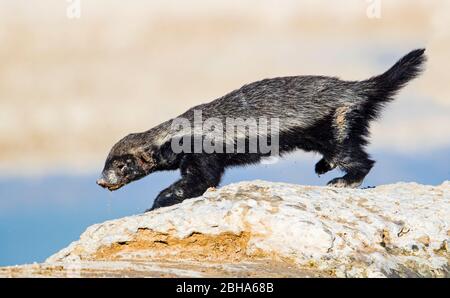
x: 304, y: 100
x: 297, y: 101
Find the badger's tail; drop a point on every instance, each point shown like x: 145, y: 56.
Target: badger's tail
x: 381, y: 89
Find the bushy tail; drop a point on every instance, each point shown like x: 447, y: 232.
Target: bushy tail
x: 407, y: 68
x: 381, y: 89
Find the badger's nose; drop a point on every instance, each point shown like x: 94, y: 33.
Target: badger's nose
x: 102, y: 182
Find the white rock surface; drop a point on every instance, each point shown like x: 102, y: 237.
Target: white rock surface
x: 271, y: 229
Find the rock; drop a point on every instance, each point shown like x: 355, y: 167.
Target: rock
x: 268, y: 230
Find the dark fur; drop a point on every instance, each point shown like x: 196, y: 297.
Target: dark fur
x: 320, y: 114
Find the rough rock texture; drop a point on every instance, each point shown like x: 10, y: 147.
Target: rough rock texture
x: 271, y: 229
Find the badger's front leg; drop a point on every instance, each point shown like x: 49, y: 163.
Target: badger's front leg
x: 198, y: 173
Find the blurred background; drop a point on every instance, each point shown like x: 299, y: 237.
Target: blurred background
x: 76, y: 76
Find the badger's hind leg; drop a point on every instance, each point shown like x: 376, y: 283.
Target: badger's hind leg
x: 350, y: 131
x: 323, y: 166
x: 356, y: 165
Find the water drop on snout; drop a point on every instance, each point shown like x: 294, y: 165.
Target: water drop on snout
x: 109, y: 202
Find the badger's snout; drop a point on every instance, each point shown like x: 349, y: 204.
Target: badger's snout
x: 109, y: 181
x: 102, y: 182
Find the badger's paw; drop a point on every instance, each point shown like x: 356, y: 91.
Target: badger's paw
x: 168, y: 197
x: 322, y: 167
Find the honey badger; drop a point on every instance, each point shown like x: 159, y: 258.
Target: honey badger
x: 316, y: 113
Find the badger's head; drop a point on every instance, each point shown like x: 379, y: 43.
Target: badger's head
x: 128, y: 160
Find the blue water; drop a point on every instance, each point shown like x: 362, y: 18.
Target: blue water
x: 39, y: 216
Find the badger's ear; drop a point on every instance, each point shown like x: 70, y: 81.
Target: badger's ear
x: 145, y: 156
x: 147, y: 160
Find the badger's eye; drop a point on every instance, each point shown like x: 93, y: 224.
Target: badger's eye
x: 121, y: 167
